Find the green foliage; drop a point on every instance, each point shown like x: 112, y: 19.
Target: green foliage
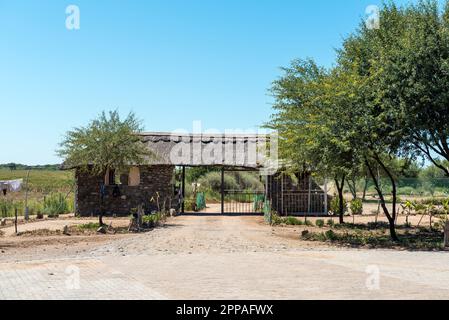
x: 212, y: 181
x: 309, y: 223
x: 319, y: 223
x: 356, y: 206
x: 335, y: 205
x: 153, y: 220
x: 89, y: 226
x: 292, y: 221
x: 330, y: 223
x: 105, y: 143
x: 55, y: 204
x: 42, y: 181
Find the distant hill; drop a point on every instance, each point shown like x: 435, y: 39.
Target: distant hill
x: 18, y: 166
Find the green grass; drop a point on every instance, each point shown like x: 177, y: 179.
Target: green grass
x: 89, y: 226
x: 48, y: 192
x: 42, y: 181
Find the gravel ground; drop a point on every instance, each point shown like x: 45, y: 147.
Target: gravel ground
x: 217, y: 257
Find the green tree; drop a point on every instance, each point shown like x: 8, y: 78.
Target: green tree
x: 414, y: 69
x: 312, y: 137
x: 106, y: 143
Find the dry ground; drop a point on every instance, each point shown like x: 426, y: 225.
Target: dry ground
x: 213, y: 257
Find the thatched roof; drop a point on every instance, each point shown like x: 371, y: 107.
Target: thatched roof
x: 232, y: 150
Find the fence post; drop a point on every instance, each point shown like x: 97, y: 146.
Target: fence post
x: 222, y: 189
x: 309, y: 196
x: 326, y: 211
x: 15, y: 220
x: 446, y: 234
x: 27, y: 216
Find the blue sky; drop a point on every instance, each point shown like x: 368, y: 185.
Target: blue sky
x: 171, y: 62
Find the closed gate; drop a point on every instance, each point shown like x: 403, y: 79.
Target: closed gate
x: 243, y: 202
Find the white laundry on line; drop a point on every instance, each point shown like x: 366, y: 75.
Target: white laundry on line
x: 11, y: 185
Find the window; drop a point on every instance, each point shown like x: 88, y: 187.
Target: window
x: 109, y: 178
x: 134, y: 177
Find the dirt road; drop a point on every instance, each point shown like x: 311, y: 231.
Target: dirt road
x: 219, y: 257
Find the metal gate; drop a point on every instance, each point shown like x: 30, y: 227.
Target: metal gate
x: 243, y: 202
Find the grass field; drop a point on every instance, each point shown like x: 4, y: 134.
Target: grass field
x: 46, y: 189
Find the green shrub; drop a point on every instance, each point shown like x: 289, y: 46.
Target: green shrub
x: 330, y: 223
x: 153, y: 220
x: 55, y: 204
x: 292, y: 221
x: 212, y: 181
x: 406, y: 191
x: 89, y: 226
x: 335, y: 206
x: 189, y: 205
x: 309, y: 223
x: 356, y: 207
x: 276, y: 219
x: 319, y: 223
x: 331, y: 235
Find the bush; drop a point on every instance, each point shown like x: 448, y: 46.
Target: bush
x: 406, y: 191
x: 276, y: 219
x: 319, y: 223
x: 356, y: 206
x: 331, y: 235
x: 292, y: 221
x: 189, y: 205
x: 55, y: 204
x: 153, y: 220
x: 309, y: 223
x: 330, y: 223
x: 212, y: 181
x: 89, y: 226
x: 335, y: 205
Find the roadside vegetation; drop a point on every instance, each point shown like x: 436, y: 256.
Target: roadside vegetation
x: 50, y: 192
x: 378, y: 110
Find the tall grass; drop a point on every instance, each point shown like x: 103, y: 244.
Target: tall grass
x: 48, y: 192
x: 52, y: 205
x: 55, y: 204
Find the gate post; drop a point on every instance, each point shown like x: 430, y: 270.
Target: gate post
x: 222, y: 190
x: 183, y: 187
x: 326, y: 211
x: 309, y: 196
x: 446, y: 234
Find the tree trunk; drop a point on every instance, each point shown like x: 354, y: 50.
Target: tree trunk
x: 352, y: 184
x: 365, y: 188
x: 391, y: 218
x: 341, y: 208
x: 393, y: 234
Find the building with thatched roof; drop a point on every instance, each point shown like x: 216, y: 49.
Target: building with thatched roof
x: 155, y: 186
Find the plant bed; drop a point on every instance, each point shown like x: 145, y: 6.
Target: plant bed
x: 377, y: 236
x: 87, y: 229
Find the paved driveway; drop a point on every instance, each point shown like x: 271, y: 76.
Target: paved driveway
x: 215, y: 257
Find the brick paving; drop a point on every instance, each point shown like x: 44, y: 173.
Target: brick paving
x: 222, y: 258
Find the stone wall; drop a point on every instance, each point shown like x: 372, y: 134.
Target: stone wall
x: 153, y: 180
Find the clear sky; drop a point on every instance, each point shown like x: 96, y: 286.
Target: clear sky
x: 170, y: 61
